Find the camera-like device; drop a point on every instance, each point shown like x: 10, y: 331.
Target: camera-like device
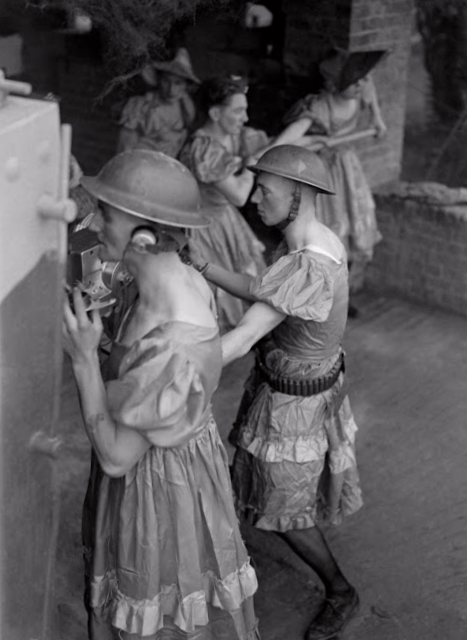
x: 100, y: 282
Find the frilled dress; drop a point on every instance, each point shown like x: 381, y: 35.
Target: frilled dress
x: 351, y: 212
x: 295, y: 463
x: 166, y: 559
x: 228, y: 241
x: 147, y: 122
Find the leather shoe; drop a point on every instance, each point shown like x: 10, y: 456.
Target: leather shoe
x: 333, y: 616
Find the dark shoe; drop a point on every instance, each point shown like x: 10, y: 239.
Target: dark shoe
x: 333, y: 616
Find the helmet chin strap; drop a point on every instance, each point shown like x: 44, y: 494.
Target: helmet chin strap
x: 294, y: 207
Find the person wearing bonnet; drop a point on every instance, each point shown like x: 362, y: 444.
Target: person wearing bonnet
x: 161, y: 118
x: 319, y: 120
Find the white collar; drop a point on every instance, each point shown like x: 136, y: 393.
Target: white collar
x: 316, y: 249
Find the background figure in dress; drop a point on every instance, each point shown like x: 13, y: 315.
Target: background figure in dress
x: 161, y: 118
x: 217, y: 154
x: 320, y: 120
x: 295, y: 464
x: 164, y: 556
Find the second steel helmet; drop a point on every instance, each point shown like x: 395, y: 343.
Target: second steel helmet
x: 295, y: 163
x: 149, y: 185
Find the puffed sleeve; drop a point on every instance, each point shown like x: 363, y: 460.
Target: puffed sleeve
x: 297, y: 285
x: 209, y: 161
x: 137, y: 110
x: 159, y: 392
x: 313, y: 107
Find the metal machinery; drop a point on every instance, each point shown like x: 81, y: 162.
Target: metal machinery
x: 34, y: 213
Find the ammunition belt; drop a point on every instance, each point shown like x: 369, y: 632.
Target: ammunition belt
x: 305, y: 386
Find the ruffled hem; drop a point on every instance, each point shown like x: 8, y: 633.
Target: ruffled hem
x: 285, y: 523
x: 306, y: 521
x: 351, y: 502
x: 146, y: 617
x: 302, y: 449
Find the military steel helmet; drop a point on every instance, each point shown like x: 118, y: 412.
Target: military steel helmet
x: 295, y: 163
x: 149, y: 185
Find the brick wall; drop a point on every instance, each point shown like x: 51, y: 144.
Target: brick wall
x: 385, y: 24
x: 312, y: 28
x: 423, y: 254
x: 93, y: 121
x: 70, y: 67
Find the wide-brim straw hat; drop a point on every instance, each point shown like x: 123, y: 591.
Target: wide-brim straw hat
x: 345, y: 68
x: 180, y: 66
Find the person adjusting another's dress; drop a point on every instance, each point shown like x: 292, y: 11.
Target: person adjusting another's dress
x: 295, y: 465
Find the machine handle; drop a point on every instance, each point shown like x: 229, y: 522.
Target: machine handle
x: 61, y: 210
x: 12, y: 86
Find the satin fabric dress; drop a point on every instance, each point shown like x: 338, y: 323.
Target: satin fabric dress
x: 351, y: 212
x: 295, y: 463
x: 149, y: 123
x: 228, y: 241
x: 165, y: 559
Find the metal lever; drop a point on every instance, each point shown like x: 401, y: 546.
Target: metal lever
x: 12, y: 86
x: 40, y: 442
x: 62, y: 210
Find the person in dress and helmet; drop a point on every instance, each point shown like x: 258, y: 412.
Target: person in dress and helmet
x: 295, y: 464
x: 163, y: 550
x: 161, y: 118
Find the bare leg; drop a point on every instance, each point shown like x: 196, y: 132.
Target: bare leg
x: 311, y: 546
x: 341, y: 600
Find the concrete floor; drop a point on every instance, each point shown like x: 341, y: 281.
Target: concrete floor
x: 406, y: 550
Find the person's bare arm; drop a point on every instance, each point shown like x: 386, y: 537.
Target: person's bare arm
x: 117, y: 448
x: 293, y: 132
x: 378, y: 122
x: 237, y: 284
x: 236, y: 188
x: 371, y: 98
x: 259, y: 320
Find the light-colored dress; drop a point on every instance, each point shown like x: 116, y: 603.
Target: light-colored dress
x: 351, y: 212
x: 149, y: 123
x: 228, y: 241
x: 166, y: 556
x: 295, y: 462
